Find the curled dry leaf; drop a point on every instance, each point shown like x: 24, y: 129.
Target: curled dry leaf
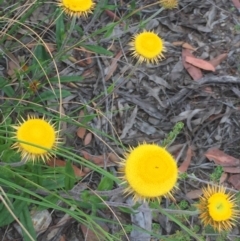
x: 184, y: 166
x: 234, y: 179
x: 200, y: 63
x: 221, y: 158
x: 87, y: 139
x: 218, y: 60
x: 60, y: 163
x: 193, y: 71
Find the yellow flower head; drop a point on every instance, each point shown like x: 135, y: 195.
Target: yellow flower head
x: 169, y: 4
x: 77, y: 8
x: 149, y: 172
x: 147, y: 47
x: 35, y: 131
x: 217, y: 208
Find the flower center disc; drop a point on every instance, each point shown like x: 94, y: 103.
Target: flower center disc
x: 77, y: 5
x: 151, y: 170
x: 220, y: 208
x: 38, y: 132
x: 148, y: 45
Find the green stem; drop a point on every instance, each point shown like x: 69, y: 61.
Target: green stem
x: 73, y: 23
x: 189, y: 231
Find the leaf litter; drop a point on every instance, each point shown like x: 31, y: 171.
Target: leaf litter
x: 150, y: 100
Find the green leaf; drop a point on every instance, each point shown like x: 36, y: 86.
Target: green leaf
x: 6, y: 218
x: 25, y: 219
x: 109, y: 30
x: 105, y: 184
x: 49, y: 95
x: 60, y: 29
x: 40, y: 54
x: 8, y: 90
x: 97, y: 49
x: 53, y: 198
x: 54, y: 183
x: 69, y: 176
x: 179, y: 223
x: 66, y: 79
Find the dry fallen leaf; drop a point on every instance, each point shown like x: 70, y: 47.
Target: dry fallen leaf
x: 12, y: 68
x: 90, y: 235
x: 81, y: 131
x: 184, y: 166
x: 87, y: 139
x: 218, y: 60
x: 223, y: 177
x: 50, y: 47
x: 113, y: 157
x: 112, y: 15
x: 200, y: 63
x: 188, y: 46
x: 101, y: 160
x: 178, y: 43
x: 232, y: 169
x: 113, y: 65
x: 60, y: 163
x: 234, y: 179
x: 236, y: 3
x: 194, y: 194
x: 81, y: 115
x: 221, y: 158
x: 193, y: 71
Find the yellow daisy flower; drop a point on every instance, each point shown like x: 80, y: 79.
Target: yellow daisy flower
x: 35, y: 131
x: 147, y: 47
x: 169, y: 4
x: 149, y: 172
x: 218, y: 208
x: 77, y: 8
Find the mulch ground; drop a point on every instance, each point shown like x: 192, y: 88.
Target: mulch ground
x: 148, y: 100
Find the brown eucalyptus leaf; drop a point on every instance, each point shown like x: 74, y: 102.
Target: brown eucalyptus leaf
x: 232, y: 169
x: 234, y: 179
x: 188, y: 46
x: 178, y: 43
x: 236, y: 3
x: 200, y: 63
x: 87, y: 139
x: 60, y: 163
x: 194, y: 194
x: 184, y: 166
x: 223, y: 177
x: 101, y: 160
x: 81, y: 131
x: 113, y: 157
x: 193, y: 71
x: 113, y: 66
x: 218, y: 60
x: 221, y: 158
